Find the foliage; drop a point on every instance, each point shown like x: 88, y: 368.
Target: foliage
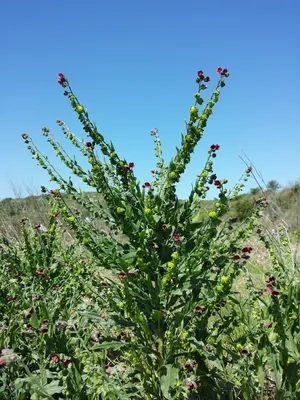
x: 273, y: 185
x: 154, y: 315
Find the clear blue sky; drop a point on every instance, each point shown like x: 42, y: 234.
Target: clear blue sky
x: 133, y: 64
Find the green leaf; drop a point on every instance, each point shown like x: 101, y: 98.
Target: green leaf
x: 109, y: 345
x: 53, y: 388
x: 169, y: 380
x: 34, y: 321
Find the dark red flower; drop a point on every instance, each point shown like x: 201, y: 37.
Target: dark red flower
x: 107, y: 367
x: 164, y: 312
x: 176, y: 237
x: 127, y: 167
x: 164, y: 227
x: 192, y: 386
x: 18, y: 275
x: 29, y: 312
x: 146, y: 185
x: 214, y: 147
x: 67, y: 361
x: 236, y: 258
x: 206, y: 79
x: 217, y: 183
x: 247, y: 250
x: 131, y: 165
x: 62, y: 79
x: 271, y: 279
x: 275, y: 293
x: 245, y: 352
x: 200, y: 73
x: 41, y: 272
x: 104, y: 284
x: 122, y: 275
x: 270, y: 288
x: 89, y: 145
x: 29, y: 327
x: 225, y: 71
x: 55, y: 358
x: 44, y: 330
x: 270, y: 324
x: 188, y: 366
x: 45, y: 323
x: 24, y: 136
x: 199, y: 309
x: 219, y: 70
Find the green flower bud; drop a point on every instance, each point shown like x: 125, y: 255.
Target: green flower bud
x: 79, y: 109
x: 224, y: 279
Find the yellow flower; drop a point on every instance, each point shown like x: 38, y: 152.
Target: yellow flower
x: 147, y: 210
x: 171, y: 264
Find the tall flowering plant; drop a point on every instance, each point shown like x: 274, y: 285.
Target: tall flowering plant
x: 164, y: 282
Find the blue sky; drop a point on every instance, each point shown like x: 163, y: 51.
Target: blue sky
x: 133, y: 64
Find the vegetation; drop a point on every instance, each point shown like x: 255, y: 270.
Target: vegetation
x: 160, y: 302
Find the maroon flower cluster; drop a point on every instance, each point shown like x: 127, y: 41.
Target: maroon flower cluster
x: 146, y: 185
x: 129, y: 166
x: 90, y: 145
x: 222, y: 71
x: 62, y: 80
x: 189, y: 365
x: 214, y: 147
x: 202, y: 77
x: 176, y: 238
x: 270, y: 288
x: 217, y: 183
